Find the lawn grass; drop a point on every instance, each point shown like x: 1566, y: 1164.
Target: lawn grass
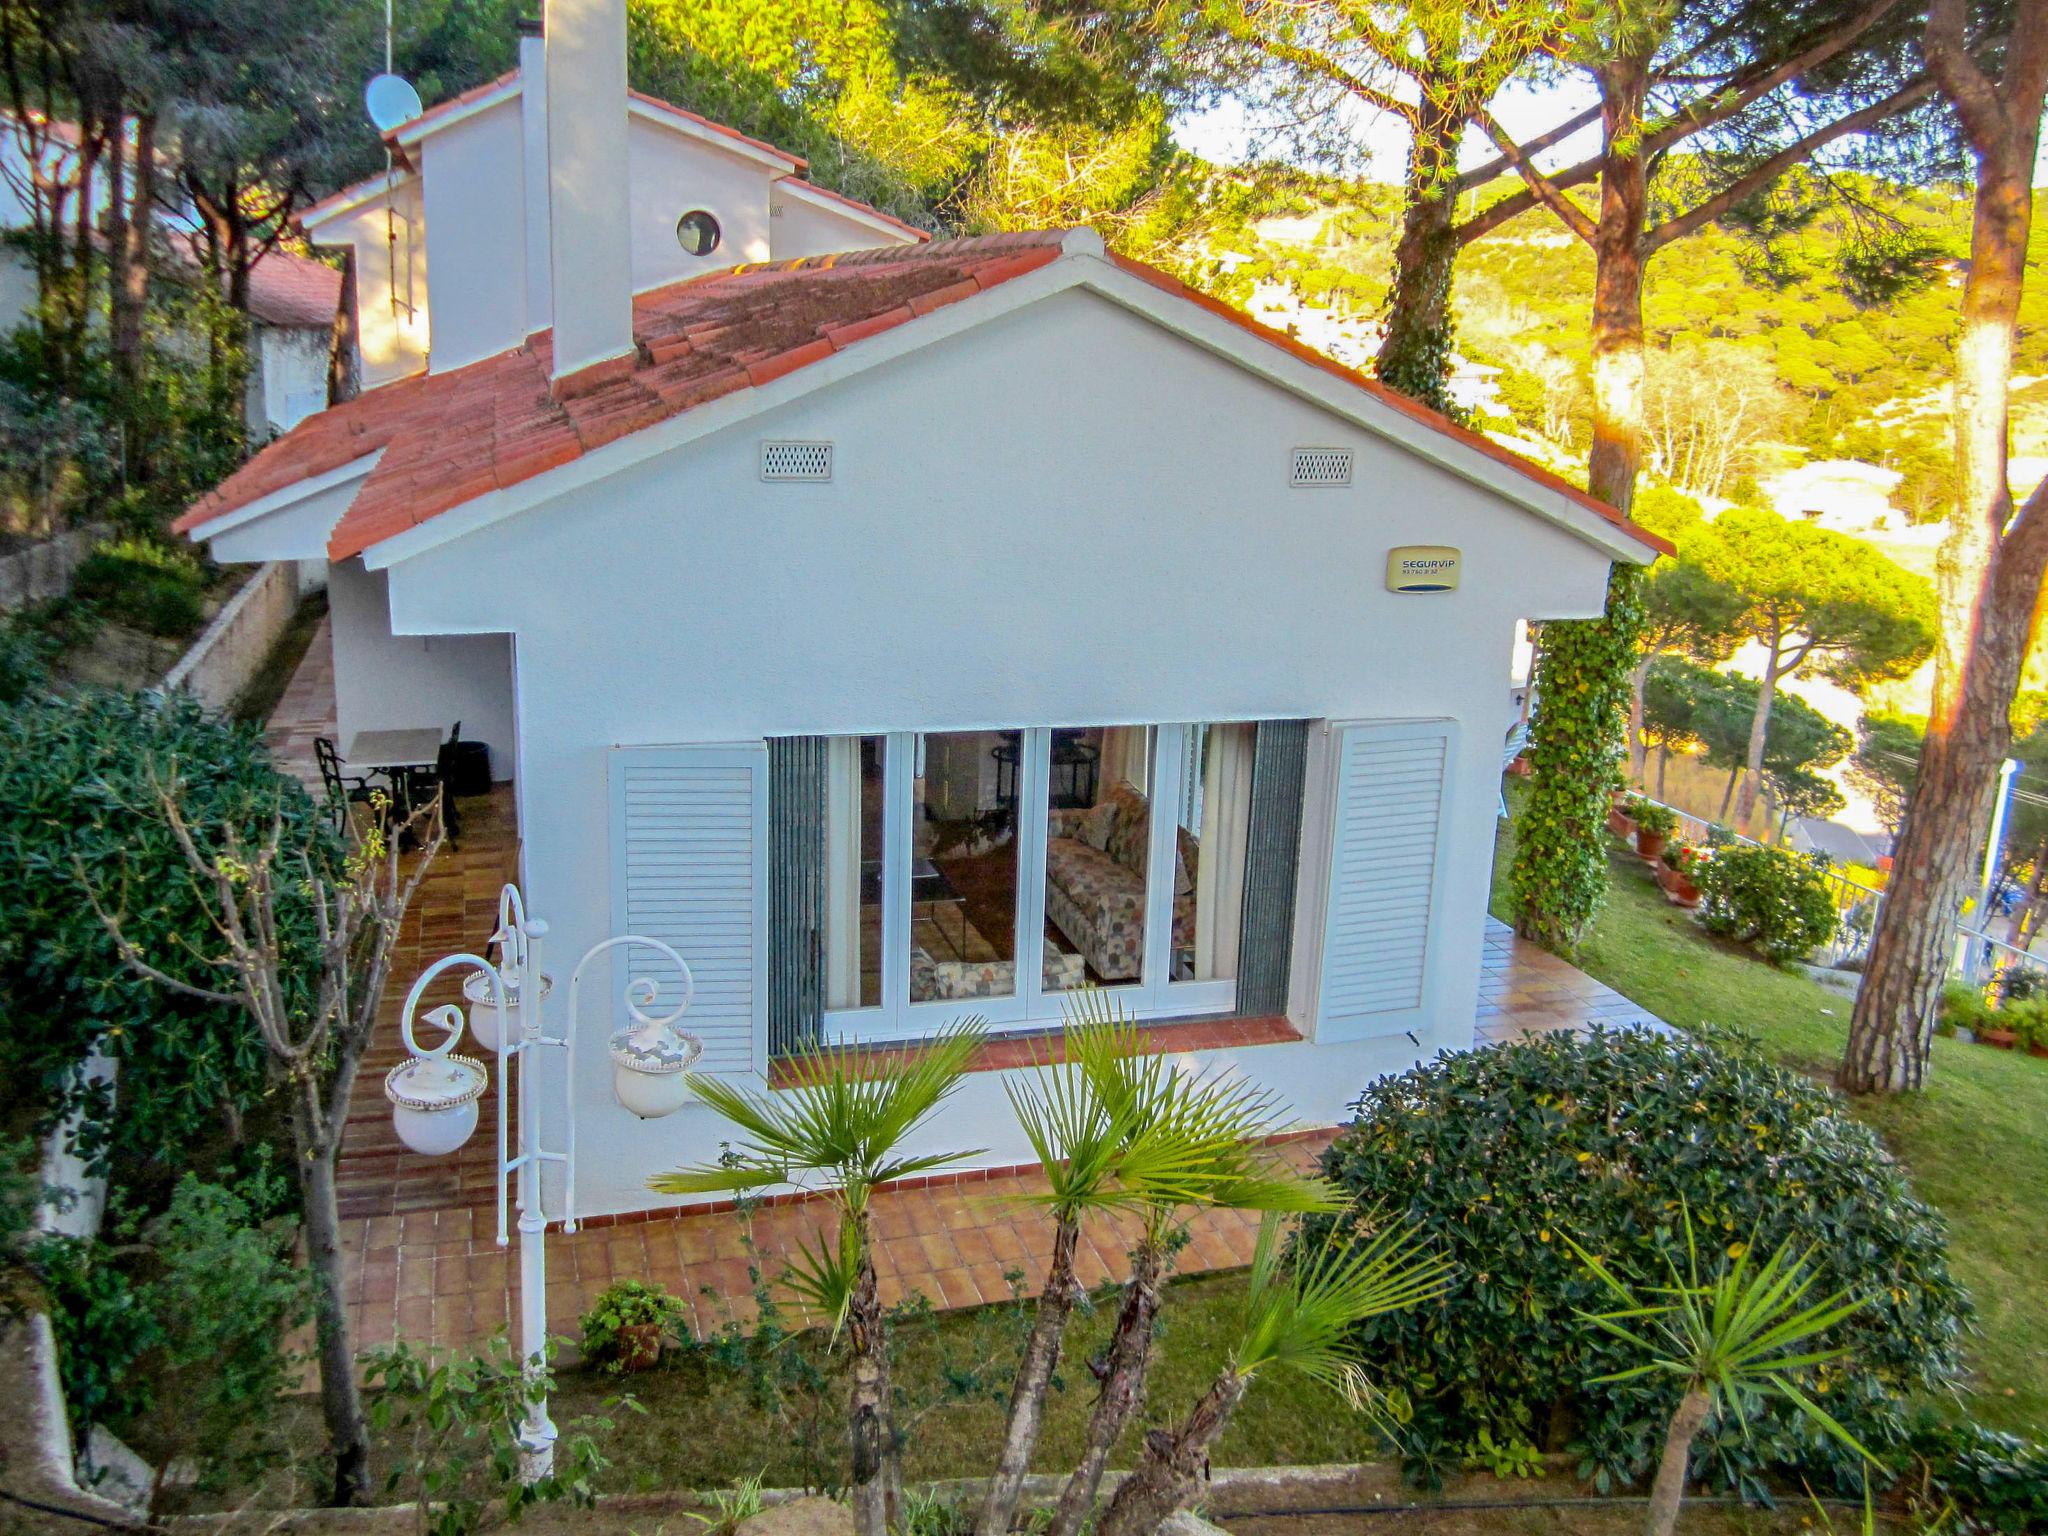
x: 1976, y: 1142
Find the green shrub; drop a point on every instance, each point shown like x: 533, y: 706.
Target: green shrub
x: 1963, y: 1007
x: 628, y: 1304
x: 25, y: 655
x: 1776, y: 902
x: 153, y: 586
x: 1497, y: 1155
x: 80, y: 822
x: 186, y: 1313
x: 1990, y: 1482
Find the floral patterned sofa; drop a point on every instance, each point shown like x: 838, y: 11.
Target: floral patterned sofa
x: 1095, y: 881
x: 948, y: 980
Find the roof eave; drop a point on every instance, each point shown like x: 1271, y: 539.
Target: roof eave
x: 1082, y: 264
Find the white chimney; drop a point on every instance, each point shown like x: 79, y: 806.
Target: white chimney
x: 533, y: 141
x: 589, y: 238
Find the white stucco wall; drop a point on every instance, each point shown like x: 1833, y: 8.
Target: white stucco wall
x: 288, y: 379
x: 391, y: 343
x: 401, y: 682
x: 473, y: 172
x: 1063, y: 517
x: 799, y: 227
x: 670, y: 175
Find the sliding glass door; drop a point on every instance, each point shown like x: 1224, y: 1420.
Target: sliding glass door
x: 998, y: 871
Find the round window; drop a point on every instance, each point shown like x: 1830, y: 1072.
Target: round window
x: 697, y: 232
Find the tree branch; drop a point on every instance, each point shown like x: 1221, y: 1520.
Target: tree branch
x: 1745, y: 86
x: 1541, y: 187
x: 1763, y: 174
x: 1975, y: 95
x: 1499, y: 165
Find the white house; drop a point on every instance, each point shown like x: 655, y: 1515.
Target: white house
x: 294, y: 302
x: 867, y: 624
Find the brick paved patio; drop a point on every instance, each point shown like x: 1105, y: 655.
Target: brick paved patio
x: 420, y: 1251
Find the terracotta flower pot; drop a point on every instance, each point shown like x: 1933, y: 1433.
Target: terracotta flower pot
x: 1620, y: 825
x: 2035, y: 1048
x: 1521, y: 767
x: 1650, y: 844
x: 2004, y: 1039
x: 1681, y: 891
x: 639, y: 1346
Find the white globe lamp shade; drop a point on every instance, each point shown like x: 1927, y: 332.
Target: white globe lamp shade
x: 651, y: 1068
x: 433, y: 1101
x: 485, y: 1022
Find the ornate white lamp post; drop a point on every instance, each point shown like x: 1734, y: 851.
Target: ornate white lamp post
x: 434, y: 1095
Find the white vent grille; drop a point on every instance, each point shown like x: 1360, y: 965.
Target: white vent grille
x: 1322, y: 466
x: 796, y: 461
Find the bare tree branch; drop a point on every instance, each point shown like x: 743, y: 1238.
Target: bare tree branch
x: 1542, y: 188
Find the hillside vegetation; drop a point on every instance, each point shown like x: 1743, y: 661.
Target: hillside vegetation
x: 1807, y: 333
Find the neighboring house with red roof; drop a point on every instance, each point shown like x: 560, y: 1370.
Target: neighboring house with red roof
x: 293, y: 301
x: 467, y: 193
x: 934, y: 629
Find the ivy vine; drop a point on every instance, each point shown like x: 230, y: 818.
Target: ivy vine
x: 1559, y: 877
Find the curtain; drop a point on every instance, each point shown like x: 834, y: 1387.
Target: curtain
x: 1126, y: 755
x: 842, y: 872
x: 1219, y: 871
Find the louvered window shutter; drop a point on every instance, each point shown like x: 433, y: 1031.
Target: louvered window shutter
x: 1386, y: 879
x: 690, y: 867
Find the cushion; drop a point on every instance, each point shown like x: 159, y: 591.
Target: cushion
x: 1130, y: 839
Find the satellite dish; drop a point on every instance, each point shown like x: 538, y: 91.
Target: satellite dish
x: 391, y: 102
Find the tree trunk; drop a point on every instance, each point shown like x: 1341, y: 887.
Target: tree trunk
x: 868, y: 1413
x: 1669, y: 1489
x: 1171, y: 1470
x: 1759, y: 734
x: 1638, y: 750
x: 1415, y: 350
x: 1123, y: 1385
x: 1989, y: 584
x: 341, y: 1402
x: 1663, y: 761
x: 1728, y: 792
x: 1560, y: 871
x: 128, y: 283
x: 1617, y: 333
x: 1034, y: 1378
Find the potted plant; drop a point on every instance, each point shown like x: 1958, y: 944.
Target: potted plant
x: 1675, y: 873
x: 1654, y: 825
x: 2029, y: 1024
x: 625, y: 1328
x: 1619, y: 822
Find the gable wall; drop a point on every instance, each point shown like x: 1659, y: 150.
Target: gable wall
x: 391, y: 342
x: 1063, y: 517
x: 474, y: 174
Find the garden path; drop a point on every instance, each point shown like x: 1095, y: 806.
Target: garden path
x: 420, y: 1252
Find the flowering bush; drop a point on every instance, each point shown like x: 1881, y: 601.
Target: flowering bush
x: 1496, y: 1156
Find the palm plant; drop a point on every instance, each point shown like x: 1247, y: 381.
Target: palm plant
x: 1225, y: 1118
x: 1090, y: 1118
x: 1299, y: 1318
x: 838, y: 1126
x: 1734, y: 1341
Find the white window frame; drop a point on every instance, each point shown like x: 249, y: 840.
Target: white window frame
x: 1030, y: 1005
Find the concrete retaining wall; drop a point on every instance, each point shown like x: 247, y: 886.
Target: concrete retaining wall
x: 43, y: 571
x: 232, y: 649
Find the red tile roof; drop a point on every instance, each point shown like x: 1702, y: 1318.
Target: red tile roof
x: 447, y: 438
x: 293, y: 291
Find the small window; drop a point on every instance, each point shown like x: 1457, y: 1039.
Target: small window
x: 697, y: 232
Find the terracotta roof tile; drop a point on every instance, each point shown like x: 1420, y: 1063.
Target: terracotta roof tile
x: 447, y: 438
